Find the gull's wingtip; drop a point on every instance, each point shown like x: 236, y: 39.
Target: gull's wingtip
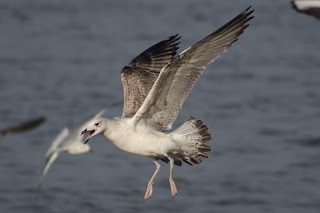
x: 248, y: 11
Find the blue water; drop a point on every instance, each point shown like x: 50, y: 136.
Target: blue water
x: 261, y: 101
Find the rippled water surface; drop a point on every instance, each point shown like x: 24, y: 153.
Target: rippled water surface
x: 261, y: 100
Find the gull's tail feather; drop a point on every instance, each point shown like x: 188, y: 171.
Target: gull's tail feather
x: 192, y: 136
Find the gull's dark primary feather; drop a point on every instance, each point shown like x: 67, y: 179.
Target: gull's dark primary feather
x: 140, y: 74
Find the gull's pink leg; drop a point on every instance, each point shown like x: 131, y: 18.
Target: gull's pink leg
x: 150, y: 183
x: 174, y: 190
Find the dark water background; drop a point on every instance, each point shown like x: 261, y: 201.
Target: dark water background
x: 261, y: 100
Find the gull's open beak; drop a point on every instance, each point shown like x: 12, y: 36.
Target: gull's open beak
x: 84, y: 132
x: 89, y: 136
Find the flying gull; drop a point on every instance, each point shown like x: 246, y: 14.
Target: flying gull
x: 67, y: 141
x: 156, y: 83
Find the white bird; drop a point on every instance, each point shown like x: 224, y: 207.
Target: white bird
x: 310, y: 7
x: 156, y: 83
x: 67, y: 141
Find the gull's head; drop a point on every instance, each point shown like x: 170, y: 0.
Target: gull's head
x: 93, y: 127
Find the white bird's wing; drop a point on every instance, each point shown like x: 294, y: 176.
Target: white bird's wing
x: 49, y: 162
x: 140, y: 74
x: 175, y: 81
x: 101, y: 112
x: 53, y: 152
x: 57, y: 141
x: 104, y: 110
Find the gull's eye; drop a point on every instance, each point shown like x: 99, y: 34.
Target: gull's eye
x: 97, y: 124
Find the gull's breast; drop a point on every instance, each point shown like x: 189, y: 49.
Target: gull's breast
x: 143, y: 141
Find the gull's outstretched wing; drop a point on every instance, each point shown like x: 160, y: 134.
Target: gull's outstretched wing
x: 57, y: 141
x: 104, y: 110
x: 140, y: 74
x: 49, y: 161
x: 175, y: 81
x: 53, y: 153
